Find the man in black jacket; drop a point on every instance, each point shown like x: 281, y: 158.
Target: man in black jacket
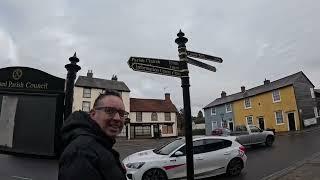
x: 88, y: 140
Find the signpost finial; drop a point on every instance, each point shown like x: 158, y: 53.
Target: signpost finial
x: 74, y: 59
x: 180, y: 34
x: 181, y: 40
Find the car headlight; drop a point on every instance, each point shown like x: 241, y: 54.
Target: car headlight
x: 136, y: 165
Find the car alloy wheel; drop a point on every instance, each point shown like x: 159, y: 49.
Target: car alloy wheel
x: 154, y: 174
x: 234, y: 167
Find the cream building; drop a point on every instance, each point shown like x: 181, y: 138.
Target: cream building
x: 87, y: 89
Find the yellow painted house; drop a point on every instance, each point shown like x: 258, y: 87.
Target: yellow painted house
x: 286, y: 104
x: 266, y: 112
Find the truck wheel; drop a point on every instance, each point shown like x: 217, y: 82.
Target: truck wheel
x: 269, y: 141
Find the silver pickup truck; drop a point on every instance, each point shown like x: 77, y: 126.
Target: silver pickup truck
x: 251, y: 134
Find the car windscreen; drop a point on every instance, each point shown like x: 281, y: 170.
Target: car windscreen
x: 168, y: 148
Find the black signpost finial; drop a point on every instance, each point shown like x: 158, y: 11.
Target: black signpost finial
x: 181, y: 40
x: 72, y: 69
x: 74, y: 59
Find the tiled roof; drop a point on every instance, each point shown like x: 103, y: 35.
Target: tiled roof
x: 283, y: 82
x: 151, y: 105
x: 84, y: 81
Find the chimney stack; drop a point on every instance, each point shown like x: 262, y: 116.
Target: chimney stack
x: 89, y: 74
x: 243, y: 89
x: 167, y: 96
x: 114, y: 78
x: 265, y: 82
x: 223, y: 94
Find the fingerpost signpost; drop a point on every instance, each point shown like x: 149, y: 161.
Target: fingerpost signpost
x: 178, y: 69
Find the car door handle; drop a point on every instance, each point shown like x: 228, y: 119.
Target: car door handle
x: 227, y: 153
x: 199, y: 158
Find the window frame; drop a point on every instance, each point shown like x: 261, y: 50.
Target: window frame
x: 313, y: 95
x: 86, y: 94
x: 138, y: 119
x: 245, y: 105
x: 276, y: 118
x: 86, y: 102
x: 215, y: 111
x: 316, y: 111
x: 227, y: 108
x: 167, y: 129
x: 167, y: 116
x: 251, y: 120
x: 273, y: 96
x: 154, y: 114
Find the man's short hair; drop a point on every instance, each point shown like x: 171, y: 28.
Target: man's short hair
x: 107, y: 92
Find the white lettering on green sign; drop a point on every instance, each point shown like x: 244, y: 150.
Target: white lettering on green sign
x: 27, y: 85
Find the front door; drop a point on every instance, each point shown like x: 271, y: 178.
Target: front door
x: 156, y: 132
x: 261, y: 123
x: 292, y: 123
x: 231, y: 125
x: 7, y: 119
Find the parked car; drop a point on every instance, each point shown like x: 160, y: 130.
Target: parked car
x: 251, y: 135
x: 213, y: 155
x: 220, y: 132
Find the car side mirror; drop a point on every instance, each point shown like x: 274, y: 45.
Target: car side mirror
x: 178, y: 153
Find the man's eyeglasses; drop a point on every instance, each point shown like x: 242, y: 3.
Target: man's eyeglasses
x: 112, y: 111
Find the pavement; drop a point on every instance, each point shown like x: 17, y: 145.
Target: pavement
x: 306, y: 169
x: 306, y: 130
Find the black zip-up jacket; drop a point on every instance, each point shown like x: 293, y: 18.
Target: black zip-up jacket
x: 88, y: 153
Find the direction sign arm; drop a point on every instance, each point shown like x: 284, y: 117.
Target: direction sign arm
x: 201, y: 64
x: 204, y: 56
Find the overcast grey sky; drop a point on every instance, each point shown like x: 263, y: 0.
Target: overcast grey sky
x: 257, y: 39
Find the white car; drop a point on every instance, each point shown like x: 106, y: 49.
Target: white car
x: 213, y: 155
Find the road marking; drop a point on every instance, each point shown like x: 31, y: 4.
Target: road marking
x: 18, y: 177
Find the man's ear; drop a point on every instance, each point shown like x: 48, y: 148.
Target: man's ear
x: 92, y: 113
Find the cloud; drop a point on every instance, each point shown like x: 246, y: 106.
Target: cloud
x: 256, y: 39
x: 8, y: 49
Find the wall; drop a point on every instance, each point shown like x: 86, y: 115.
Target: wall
x: 262, y: 105
x: 126, y: 100
x: 317, y: 94
x: 305, y: 102
x: 78, y: 97
x: 209, y: 118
